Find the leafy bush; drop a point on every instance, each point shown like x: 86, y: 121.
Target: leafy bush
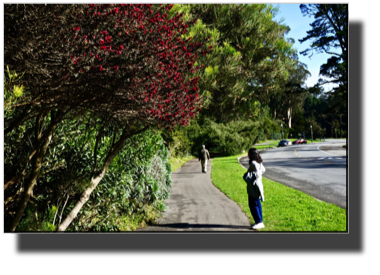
x: 35, y: 221
x: 137, y: 178
x: 178, y: 142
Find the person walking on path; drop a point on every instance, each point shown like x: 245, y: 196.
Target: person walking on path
x: 256, y: 191
x: 203, y: 157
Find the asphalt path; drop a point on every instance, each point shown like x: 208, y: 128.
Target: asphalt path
x: 195, y: 204
x: 317, y: 169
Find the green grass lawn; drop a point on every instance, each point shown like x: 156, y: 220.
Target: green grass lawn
x: 274, y: 143
x: 179, y: 161
x: 284, y: 208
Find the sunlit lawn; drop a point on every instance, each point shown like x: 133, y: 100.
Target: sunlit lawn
x: 179, y: 161
x: 284, y: 208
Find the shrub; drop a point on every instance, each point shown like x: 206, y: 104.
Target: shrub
x: 138, y: 180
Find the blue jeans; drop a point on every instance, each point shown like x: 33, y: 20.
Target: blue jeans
x: 256, y: 210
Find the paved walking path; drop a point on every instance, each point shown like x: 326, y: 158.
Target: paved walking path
x: 195, y: 204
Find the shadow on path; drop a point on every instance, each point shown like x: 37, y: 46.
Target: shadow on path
x: 226, y: 227
x: 195, y: 204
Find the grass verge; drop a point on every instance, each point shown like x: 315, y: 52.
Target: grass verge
x: 284, y: 209
x: 274, y: 143
x: 179, y: 161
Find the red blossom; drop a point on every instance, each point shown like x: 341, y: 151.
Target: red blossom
x: 170, y: 99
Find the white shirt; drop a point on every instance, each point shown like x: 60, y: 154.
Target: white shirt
x: 260, y: 169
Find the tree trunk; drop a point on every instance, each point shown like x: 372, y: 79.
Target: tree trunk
x: 28, y: 192
x: 18, y: 177
x: 256, y: 139
x: 38, y: 129
x: 290, y: 117
x: 96, y: 180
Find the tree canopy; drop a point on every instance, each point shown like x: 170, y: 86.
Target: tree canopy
x: 251, y: 57
x: 128, y: 60
x: 330, y: 33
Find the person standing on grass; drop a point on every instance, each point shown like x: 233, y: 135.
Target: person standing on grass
x: 256, y: 191
x: 203, y: 157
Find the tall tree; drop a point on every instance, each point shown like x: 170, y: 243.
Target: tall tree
x: 291, y: 94
x: 250, y: 59
x: 330, y: 33
x: 127, y: 62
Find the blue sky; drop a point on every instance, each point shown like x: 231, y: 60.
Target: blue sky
x: 291, y: 13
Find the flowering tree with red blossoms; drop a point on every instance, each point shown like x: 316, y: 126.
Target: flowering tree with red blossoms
x: 127, y: 61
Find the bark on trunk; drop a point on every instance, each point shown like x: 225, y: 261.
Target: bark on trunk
x: 96, y: 180
x: 290, y: 117
x: 22, y: 174
x: 38, y: 129
x: 28, y: 192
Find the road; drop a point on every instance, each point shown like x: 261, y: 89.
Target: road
x: 318, y: 169
x: 195, y: 204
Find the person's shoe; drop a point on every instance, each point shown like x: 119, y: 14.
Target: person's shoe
x: 258, y: 226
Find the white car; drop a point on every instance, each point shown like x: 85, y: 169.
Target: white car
x: 284, y: 142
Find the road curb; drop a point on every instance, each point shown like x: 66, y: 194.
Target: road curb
x: 239, y: 161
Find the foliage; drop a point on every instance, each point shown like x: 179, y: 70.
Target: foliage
x: 250, y: 57
x: 11, y: 93
x: 139, y: 177
x: 222, y: 138
x: 229, y: 138
x: 329, y: 32
x: 126, y: 65
x: 317, y: 113
x: 290, y: 95
x: 178, y: 142
x: 69, y: 165
x: 135, y: 181
x: 128, y: 60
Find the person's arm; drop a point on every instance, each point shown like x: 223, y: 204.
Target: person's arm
x: 262, y: 169
x: 258, y: 171
x: 208, y: 155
